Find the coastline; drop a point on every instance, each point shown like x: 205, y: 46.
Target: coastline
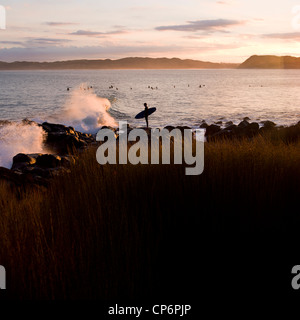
x: 63, y: 145
x: 110, y: 232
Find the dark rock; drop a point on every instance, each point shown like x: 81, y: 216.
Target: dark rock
x: 29, y: 122
x: 203, y: 125
x: 9, y: 176
x: 246, y: 119
x: 182, y: 128
x: 5, y: 122
x: 23, y: 158
x: 219, y: 122
x: 221, y: 135
x: 34, y: 155
x: 268, y: 124
x: 251, y: 130
x: 108, y: 127
x: 48, y: 161
x: 231, y: 127
x: 19, y: 166
x: 64, y: 143
x: 212, y: 129
x: 228, y: 123
x: 169, y: 128
x: 53, y: 127
x: 243, y: 124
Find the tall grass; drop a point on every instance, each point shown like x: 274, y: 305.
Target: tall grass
x: 135, y: 232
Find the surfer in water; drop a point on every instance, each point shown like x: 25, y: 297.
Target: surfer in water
x: 146, y: 113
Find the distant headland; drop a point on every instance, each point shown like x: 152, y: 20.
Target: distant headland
x: 254, y: 62
x: 125, y: 63
x: 271, y: 62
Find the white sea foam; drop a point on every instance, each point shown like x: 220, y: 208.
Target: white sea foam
x: 19, y: 138
x: 85, y: 111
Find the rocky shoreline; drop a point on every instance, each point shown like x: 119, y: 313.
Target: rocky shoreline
x: 63, y: 144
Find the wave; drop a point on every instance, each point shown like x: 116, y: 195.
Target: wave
x: 85, y: 111
x: 19, y: 138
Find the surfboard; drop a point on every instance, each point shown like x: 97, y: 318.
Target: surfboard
x: 141, y: 115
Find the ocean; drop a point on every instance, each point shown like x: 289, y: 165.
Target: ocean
x: 104, y: 97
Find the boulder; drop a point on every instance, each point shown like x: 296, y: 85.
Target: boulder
x: 23, y: 158
x: 268, y: 124
x: 231, y: 127
x: 228, y: 123
x: 221, y: 135
x: 9, y: 176
x: 251, y: 130
x: 203, y: 125
x: 53, y: 127
x: 212, y: 129
x: 29, y: 122
x: 169, y: 128
x: 182, y: 128
x: 64, y: 143
x: 243, y: 124
x: 48, y: 161
x: 19, y: 166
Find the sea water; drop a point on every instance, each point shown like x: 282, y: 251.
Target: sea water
x: 88, y: 99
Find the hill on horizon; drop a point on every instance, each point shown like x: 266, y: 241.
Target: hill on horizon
x: 253, y: 62
x: 125, y: 63
x: 271, y: 62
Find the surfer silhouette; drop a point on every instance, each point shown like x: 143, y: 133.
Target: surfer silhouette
x: 146, y: 113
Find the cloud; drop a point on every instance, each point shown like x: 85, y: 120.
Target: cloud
x: 60, y: 24
x: 54, y: 53
x: 96, y: 33
x: 15, y: 43
x: 203, y: 25
x: 36, y: 42
x: 33, y: 42
x: 294, y: 36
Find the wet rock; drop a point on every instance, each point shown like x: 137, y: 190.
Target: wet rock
x: 221, y: 135
x: 212, y: 129
x: 228, y: 123
x: 243, y: 124
x: 203, y: 125
x: 53, y: 127
x: 64, y: 143
x: 9, y: 176
x: 19, y: 166
x: 268, y: 124
x: 29, y: 122
x: 251, y: 130
x: 169, y: 128
x: 231, y: 127
x: 182, y: 128
x: 23, y: 158
x: 48, y: 161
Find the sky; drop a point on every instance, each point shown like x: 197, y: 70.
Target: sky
x: 208, y: 30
